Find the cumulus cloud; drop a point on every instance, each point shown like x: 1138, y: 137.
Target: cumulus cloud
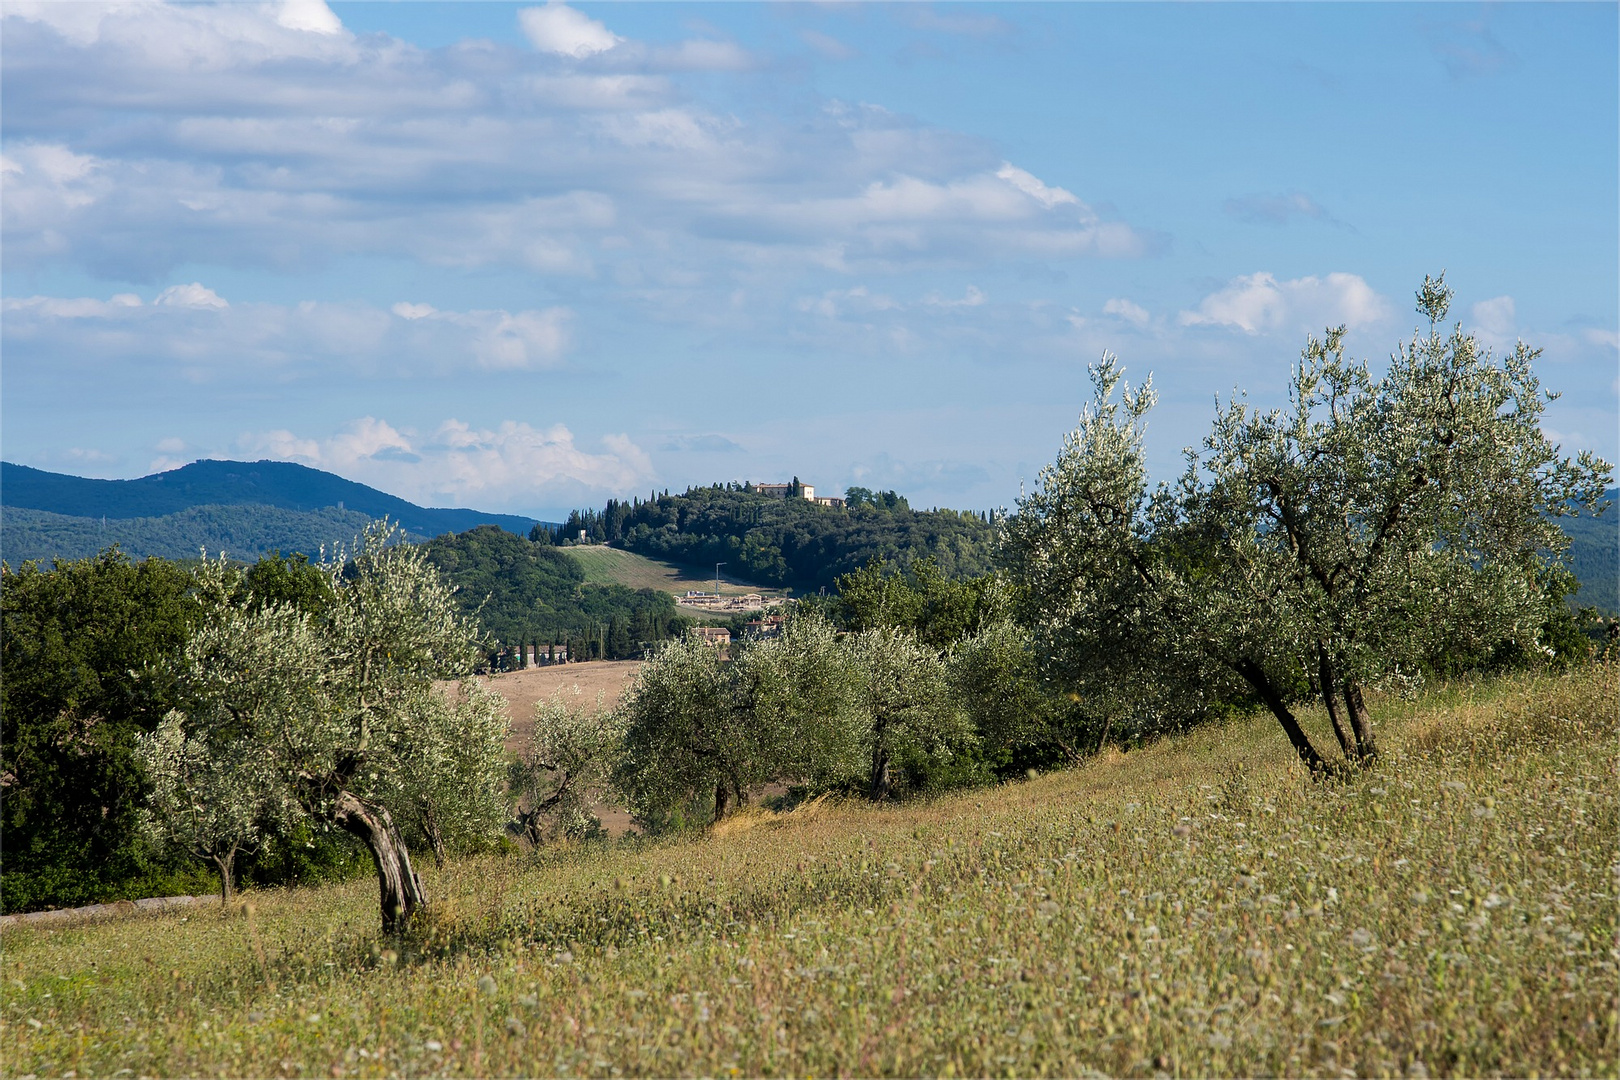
x: 1602, y: 337
x: 1496, y: 318
x: 194, y: 295
x: 1132, y: 313
x: 512, y: 464
x: 558, y: 28
x: 1034, y: 188
x: 311, y: 15
x: 835, y: 303
x: 1259, y: 303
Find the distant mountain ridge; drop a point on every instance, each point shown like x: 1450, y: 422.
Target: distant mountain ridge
x: 282, y: 484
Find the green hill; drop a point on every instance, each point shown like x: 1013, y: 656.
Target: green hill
x: 281, y: 484
x: 1594, y: 554
x: 1190, y: 908
x: 526, y: 592
x: 789, y: 542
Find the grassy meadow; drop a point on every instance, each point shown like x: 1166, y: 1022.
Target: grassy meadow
x: 1192, y: 908
x: 614, y: 566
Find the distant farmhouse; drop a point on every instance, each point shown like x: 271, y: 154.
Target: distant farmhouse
x: 714, y: 635
x: 804, y: 491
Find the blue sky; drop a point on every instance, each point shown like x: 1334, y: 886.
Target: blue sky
x: 525, y: 257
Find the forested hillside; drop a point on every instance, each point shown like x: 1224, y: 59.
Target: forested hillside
x: 790, y: 542
x: 526, y: 592
x: 241, y: 532
x: 1594, y: 554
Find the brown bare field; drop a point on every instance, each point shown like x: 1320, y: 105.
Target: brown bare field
x: 523, y: 689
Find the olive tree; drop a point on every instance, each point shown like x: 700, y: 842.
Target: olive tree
x: 686, y: 734
x: 785, y: 709
x: 209, y: 801
x: 450, y: 776
x: 1116, y: 616
x: 1399, y: 516
x: 800, y: 690
x: 214, y: 785
x: 1338, y: 543
x: 337, y: 703
x: 995, y: 676
x: 904, y: 705
x: 569, y: 760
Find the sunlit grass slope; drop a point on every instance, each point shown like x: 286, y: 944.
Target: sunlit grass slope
x: 1194, y: 909
x: 614, y: 566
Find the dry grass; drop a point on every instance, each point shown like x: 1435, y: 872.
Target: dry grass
x: 615, y: 566
x: 1193, y: 908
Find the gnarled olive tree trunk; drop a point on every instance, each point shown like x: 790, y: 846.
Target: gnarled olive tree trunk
x: 881, y: 782
x: 1360, y: 721
x: 1358, y: 744
x: 1257, y: 678
x: 401, y: 890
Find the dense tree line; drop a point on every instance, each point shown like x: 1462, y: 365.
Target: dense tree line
x: 527, y: 592
x: 93, y: 653
x: 243, y: 532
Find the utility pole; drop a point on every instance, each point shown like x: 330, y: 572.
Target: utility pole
x: 717, y: 567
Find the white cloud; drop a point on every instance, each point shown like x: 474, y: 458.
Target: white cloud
x: 194, y: 295
x: 1259, y: 303
x: 700, y: 55
x: 511, y: 464
x: 527, y: 339
x: 1276, y: 209
x: 1132, y: 313
x: 826, y: 45
x: 835, y: 303
x: 1034, y: 188
x: 192, y: 326
x: 1496, y: 318
x: 481, y: 155
x: 1603, y: 338
x: 972, y: 298
x: 68, y: 307
x: 311, y: 15
x: 188, y: 37
x: 558, y: 28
